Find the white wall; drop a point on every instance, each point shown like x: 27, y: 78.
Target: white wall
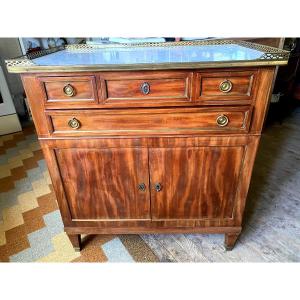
x: 10, y: 48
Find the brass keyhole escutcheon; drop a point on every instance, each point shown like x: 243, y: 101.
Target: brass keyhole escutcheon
x: 74, y: 123
x: 145, y: 88
x: 142, y: 187
x: 222, y: 120
x: 69, y: 90
x: 225, y: 86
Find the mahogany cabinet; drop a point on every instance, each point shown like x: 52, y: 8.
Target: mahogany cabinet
x: 150, y: 149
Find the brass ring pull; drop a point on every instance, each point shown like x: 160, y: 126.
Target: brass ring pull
x: 69, y: 90
x: 225, y: 86
x: 74, y: 123
x: 222, y: 120
x: 145, y: 88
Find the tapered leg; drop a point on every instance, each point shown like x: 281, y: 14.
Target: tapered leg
x: 230, y: 240
x: 76, y: 241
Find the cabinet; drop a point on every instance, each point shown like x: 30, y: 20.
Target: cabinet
x: 151, y: 147
x: 183, y: 183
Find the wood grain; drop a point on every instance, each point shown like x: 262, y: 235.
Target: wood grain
x: 207, y: 85
x: 196, y: 182
x: 103, y: 183
x: 168, y: 136
x: 155, y: 121
x: 84, y: 89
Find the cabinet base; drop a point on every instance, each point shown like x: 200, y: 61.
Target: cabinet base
x: 230, y: 240
x: 231, y: 233
x: 75, y: 239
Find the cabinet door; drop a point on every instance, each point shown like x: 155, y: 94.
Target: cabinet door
x: 104, y: 183
x: 195, y: 182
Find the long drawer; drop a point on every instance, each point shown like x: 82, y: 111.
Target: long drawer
x: 150, y: 121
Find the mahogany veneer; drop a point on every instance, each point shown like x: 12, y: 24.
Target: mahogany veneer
x: 146, y: 153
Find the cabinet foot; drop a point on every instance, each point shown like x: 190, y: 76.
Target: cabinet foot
x: 230, y: 240
x: 75, y: 239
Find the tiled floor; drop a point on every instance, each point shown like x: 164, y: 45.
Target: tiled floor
x: 31, y: 227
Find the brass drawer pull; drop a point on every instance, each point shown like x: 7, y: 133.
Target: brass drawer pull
x: 222, y: 120
x: 74, y: 123
x: 69, y: 90
x: 145, y: 88
x: 142, y: 187
x: 157, y: 187
x: 225, y: 86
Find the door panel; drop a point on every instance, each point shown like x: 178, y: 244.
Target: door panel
x: 103, y: 183
x: 196, y: 182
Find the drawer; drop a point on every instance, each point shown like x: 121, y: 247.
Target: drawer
x: 225, y: 86
x: 146, y: 88
x: 151, y: 121
x: 76, y: 91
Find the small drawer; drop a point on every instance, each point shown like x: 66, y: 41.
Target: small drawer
x: 227, y: 85
x: 146, y: 88
x: 76, y: 91
x: 149, y: 122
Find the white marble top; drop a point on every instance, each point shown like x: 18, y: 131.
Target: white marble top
x: 149, y: 55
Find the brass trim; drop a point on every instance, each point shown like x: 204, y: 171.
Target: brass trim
x: 74, y: 123
x: 225, y: 86
x: 177, y: 66
x: 109, y: 220
x: 271, y: 57
x: 222, y: 120
x: 69, y: 90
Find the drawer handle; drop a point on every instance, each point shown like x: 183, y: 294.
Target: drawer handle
x: 145, y: 88
x: 222, y: 120
x: 142, y: 187
x: 69, y: 90
x: 225, y: 86
x: 74, y: 123
x: 157, y: 187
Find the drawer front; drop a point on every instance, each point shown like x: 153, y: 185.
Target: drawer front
x: 140, y: 88
x: 219, y: 86
x: 150, y: 122
x: 77, y: 91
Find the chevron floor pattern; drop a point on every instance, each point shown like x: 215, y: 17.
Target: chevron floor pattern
x: 31, y: 228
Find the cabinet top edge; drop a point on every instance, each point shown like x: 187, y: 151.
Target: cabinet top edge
x: 149, y: 56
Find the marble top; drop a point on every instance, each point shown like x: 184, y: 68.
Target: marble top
x: 160, y: 56
x: 149, y: 55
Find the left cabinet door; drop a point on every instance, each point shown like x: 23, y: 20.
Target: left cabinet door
x: 109, y: 183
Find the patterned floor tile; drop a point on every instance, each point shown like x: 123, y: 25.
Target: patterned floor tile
x: 115, y: 251
x: 12, y: 217
x: 34, y: 220
x: 54, y: 223
x: 31, y: 227
x: 27, y: 201
x: 40, y: 246
x: 16, y: 241
x: 63, y: 250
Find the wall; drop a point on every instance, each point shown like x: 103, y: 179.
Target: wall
x: 10, y: 48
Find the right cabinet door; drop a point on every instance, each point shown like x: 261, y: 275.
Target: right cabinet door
x: 194, y: 182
